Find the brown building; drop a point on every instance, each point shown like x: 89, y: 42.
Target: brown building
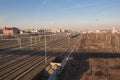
x: 10, y: 31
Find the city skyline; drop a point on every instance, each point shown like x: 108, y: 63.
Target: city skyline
x: 69, y: 14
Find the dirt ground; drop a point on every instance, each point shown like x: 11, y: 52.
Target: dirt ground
x: 93, y: 60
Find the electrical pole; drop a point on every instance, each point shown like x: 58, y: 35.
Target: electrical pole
x: 96, y: 28
x: 45, y: 46
x: 19, y: 42
x: 31, y: 40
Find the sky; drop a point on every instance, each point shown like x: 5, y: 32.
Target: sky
x: 68, y: 14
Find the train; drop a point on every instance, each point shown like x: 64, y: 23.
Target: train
x: 72, y: 35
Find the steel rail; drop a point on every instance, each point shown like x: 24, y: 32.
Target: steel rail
x: 40, y: 60
x: 17, y: 59
x: 28, y: 71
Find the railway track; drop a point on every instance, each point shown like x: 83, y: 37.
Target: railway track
x: 16, y: 53
x: 24, y: 66
x: 25, y: 49
x: 24, y: 43
x: 31, y: 54
x: 19, y: 57
x: 19, y: 67
x: 37, y: 67
x: 13, y: 43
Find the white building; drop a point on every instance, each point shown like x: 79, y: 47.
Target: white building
x: 114, y: 30
x: 56, y: 30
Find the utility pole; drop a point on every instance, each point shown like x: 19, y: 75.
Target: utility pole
x: 35, y: 39
x: 31, y: 40
x: 96, y: 28
x: 39, y: 37
x: 45, y: 46
x: 19, y: 41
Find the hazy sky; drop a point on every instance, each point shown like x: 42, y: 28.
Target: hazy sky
x: 72, y: 14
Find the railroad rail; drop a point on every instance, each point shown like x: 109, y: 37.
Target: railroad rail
x: 20, y: 42
x: 25, y: 63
